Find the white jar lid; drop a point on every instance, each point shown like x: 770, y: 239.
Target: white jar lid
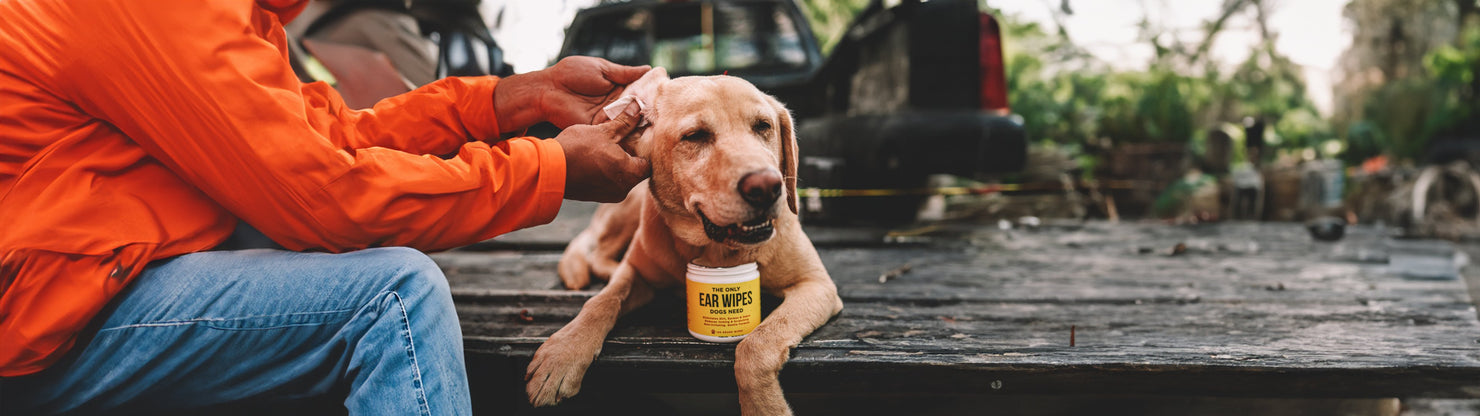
x: 732, y: 274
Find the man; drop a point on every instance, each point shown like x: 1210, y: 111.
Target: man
x: 136, y: 134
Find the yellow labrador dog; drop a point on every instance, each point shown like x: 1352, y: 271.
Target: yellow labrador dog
x: 724, y: 159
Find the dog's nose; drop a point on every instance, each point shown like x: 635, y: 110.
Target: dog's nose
x: 761, y: 188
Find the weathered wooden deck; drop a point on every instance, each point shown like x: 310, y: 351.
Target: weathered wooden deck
x: 1232, y: 309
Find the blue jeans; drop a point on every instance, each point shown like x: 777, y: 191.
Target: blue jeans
x: 376, y: 327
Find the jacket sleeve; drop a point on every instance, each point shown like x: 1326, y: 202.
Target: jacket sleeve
x: 205, y: 88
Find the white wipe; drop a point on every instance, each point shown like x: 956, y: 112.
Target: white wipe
x: 639, y: 93
x: 617, y: 107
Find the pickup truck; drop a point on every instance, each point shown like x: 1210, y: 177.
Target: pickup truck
x: 912, y: 90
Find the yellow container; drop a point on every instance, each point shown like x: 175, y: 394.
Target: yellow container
x: 724, y: 302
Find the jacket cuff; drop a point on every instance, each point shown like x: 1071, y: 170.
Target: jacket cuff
x: 550, y: 191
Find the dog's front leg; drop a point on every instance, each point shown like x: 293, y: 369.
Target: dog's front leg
x: 805, y: 306
x: 558, y: 366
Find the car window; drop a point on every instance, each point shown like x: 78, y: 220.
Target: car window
x: 680, y: 44
x: 619, y: 37
x: 757, y: 35
x: 697, y: 38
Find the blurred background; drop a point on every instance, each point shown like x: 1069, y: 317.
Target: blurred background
x: 1183, y: 111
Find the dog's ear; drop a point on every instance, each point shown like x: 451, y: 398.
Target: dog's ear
x: 646, y: 89
x: 788, y: 153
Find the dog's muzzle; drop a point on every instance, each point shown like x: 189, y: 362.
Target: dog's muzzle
x: 755, y: 231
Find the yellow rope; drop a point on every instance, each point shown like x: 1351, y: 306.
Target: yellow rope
x: 958, y: 190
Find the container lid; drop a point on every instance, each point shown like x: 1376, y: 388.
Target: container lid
x: 722, y: 272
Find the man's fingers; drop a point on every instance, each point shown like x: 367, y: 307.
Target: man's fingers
x: 623, y: 75
x: 629, y: 142
x: 637, y: 169
x: 625, y: 123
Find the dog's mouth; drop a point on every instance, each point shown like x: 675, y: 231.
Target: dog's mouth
x: 754, y: 231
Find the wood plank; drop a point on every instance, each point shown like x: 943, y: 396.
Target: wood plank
x: 1243, y: 310
x: 1384, y: 351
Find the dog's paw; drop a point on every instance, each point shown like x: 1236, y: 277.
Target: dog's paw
x: 575, y: 279
x: 556, y: 371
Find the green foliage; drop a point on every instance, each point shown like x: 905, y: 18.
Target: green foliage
x: 1453, y: 70
x: 1365, y: 139
x: 1300, y: 128
x: 1062, y: 104
x: 1174, y: 198
x: 1399, y: 111
x: 830, y: 18
x: 1067, y: 96
x: 1405, y: 111
x: 1268, y: 84
x: 1162, y: 109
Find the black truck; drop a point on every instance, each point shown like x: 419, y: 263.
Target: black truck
x: 910, y: 91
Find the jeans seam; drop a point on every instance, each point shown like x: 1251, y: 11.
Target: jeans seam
x: 416, y: 379
x: 183, y: 322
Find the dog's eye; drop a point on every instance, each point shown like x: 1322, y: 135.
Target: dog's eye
x: 761, y: 126
x: 696, y: 136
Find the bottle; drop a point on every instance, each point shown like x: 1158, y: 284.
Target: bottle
x: 724, y: 302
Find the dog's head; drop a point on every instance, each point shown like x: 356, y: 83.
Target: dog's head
x: 724, y: 156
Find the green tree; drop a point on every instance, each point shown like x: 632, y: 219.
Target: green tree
x: 1067, y: 96
x: 1409, y: 76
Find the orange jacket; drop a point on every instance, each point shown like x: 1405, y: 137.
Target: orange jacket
x: 135, y: 130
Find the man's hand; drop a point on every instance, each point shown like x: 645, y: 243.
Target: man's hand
x: 569, y: 93
x: 583, y: 85
x: 596, y: 168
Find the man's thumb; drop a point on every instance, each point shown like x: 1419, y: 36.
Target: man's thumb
x: 637, y: 169
x: 623, y: 75
x: 625, y: 122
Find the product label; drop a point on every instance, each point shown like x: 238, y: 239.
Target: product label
x: 724, y: 310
